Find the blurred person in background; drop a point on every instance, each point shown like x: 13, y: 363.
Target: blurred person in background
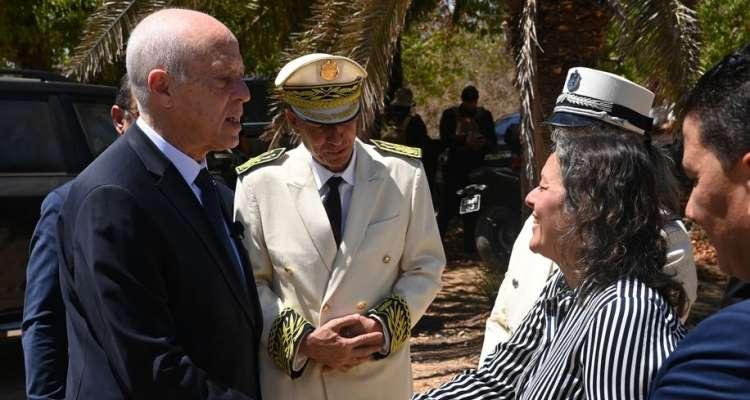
x: 468, y: 133
x: 45, y: 341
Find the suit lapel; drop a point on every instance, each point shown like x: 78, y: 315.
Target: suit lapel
x: 307, y: 202
x: 369, y: 177
x: 176, y: 190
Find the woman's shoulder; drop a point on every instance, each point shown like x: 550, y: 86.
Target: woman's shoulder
x: 629, y: 307
x: 630, y: 295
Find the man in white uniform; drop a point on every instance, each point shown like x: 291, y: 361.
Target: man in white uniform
x: 343, y: 242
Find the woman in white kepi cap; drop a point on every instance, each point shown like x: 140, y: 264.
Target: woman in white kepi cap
x: 589, y: 97
x: 607, y: 319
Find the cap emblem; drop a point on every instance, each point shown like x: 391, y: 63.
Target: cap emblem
x: 329, y: 70
x: 574, y: 82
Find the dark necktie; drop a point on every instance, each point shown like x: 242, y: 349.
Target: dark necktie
x: 210, y: 200
x: 332, y: 205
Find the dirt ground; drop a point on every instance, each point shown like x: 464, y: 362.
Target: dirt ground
x: 448, y: 339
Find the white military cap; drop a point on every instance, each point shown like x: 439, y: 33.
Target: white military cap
x: 590, y: 95
x: 322, y: 88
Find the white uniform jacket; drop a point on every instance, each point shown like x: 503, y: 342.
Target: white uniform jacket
x: 389, y: 263
x: 528, y: 272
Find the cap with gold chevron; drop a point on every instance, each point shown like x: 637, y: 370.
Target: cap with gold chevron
x: 322, y: 88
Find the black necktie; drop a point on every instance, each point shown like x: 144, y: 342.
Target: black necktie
x: 332, y: 205
x: 210, y: 200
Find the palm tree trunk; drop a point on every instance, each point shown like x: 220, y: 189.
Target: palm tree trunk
x: 570, y: 33
x: 396, y: 79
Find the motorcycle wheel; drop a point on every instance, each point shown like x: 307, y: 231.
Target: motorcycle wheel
x: 496, y: 231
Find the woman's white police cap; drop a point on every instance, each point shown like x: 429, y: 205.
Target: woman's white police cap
x: 591, y: 95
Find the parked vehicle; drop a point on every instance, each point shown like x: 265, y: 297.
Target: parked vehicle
x: 493, y: 197
x: 51, y: 128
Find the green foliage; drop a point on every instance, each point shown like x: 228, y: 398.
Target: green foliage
x: 41, y: 33
x: 725, y: 26
x: 433, y: 61
x: 438, y: 62
x: 263, y: 28
x: 480, y: 16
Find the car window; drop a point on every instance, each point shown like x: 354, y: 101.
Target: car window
x: 97, y: 125
x: 30, y: 142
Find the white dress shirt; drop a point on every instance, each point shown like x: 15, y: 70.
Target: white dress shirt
x: 321, y: 175
x: 186, y: 166
x: 189, y: 170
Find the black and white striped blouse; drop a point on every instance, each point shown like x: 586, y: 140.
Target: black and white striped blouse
x: 607, y: 347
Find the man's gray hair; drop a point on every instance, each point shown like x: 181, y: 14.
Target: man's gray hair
x: 151, y: 46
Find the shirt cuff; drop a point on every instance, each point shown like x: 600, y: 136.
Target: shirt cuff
x: 299, y: 361
x: 386, y: 336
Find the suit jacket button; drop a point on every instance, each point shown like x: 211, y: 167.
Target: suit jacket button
x: 326, y: 307
x: 361, y: 305
x: 288, y: 270
x: 386, y: 258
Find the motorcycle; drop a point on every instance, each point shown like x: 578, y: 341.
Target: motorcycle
x: 493, y: 197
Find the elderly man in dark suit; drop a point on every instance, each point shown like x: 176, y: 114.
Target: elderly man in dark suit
x: 713, y: 361
x: 45, y: 343
x: 160, y: 300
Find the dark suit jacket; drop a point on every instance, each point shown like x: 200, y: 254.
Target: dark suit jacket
x: 712, y: 362
x: 45, y: 343
x: 155, y: 307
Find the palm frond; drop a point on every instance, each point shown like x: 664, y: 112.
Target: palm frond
x: 107, y: 30
x: 525, y: 50
x: 364, y: 30
x: 662, y: 37
x: 370, y: 40
x: 105, y: 34
x: 320, y: 34
x: 323, y: 29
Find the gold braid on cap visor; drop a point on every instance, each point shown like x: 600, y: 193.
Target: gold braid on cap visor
x: 323, y: 96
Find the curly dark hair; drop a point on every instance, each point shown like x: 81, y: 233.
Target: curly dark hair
x: 612, y: 183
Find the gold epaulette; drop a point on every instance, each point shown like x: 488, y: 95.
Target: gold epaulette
x: 260, y: 159
x: 400, y: 149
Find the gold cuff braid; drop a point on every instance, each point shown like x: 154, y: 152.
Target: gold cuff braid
x: 286, y: 332
x: 395, y: 312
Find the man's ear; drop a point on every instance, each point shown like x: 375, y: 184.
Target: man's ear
x: 158, y: 86
x: 744, y: 164
x: 118, y: 119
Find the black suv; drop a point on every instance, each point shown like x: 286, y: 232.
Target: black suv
x: 51, y: 128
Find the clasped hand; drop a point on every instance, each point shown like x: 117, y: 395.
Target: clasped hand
x: 344, y: 342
